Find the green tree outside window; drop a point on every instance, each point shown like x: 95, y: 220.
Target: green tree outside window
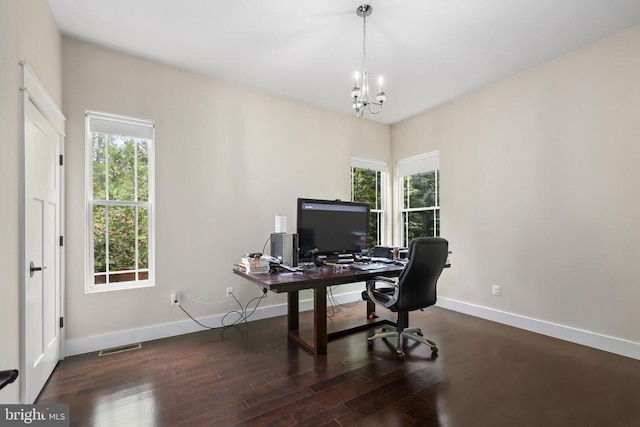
x: 420, y: 206
x: 120, y: 209
x: 368, y: 186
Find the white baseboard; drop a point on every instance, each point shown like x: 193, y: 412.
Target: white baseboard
x: 115, y: 339
x: 579, y: 336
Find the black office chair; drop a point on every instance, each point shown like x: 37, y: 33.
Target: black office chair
x: 415, y: 289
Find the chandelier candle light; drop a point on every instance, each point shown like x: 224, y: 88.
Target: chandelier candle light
x: 360, y: 94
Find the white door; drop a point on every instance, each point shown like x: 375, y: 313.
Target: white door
x: 41, y: 311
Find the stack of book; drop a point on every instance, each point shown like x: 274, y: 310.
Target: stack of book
x: 253, y: 265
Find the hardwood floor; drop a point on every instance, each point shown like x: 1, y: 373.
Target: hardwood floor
x: 486, y: 374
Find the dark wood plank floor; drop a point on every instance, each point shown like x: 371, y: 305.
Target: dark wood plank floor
x: 486, y: 374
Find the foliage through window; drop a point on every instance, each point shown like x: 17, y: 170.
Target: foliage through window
x: 120, y: 202
x: 368, y: 185
x: 420, y: 197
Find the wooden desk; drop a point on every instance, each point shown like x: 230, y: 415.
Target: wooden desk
x: 318, y: 280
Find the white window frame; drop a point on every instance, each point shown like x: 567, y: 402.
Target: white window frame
x: 136, y: 128
x: 383, y: 213
x: 423, y: 163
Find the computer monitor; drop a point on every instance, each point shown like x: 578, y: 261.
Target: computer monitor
x: 333, y: 227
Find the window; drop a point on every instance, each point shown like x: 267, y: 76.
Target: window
x: 369, y: 185
x: 120, y: 214
x: 419, y: 180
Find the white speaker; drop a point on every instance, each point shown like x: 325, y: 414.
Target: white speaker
x: 281, y: 224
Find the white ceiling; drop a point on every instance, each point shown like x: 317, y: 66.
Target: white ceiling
x: 429, y: 51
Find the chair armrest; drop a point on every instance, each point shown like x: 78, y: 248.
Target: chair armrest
x: 386, y: 296
x: 382, y: 279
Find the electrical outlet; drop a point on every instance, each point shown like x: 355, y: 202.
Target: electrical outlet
x: 495, y: 290
x: 176, y: 298
x: 229, y: 292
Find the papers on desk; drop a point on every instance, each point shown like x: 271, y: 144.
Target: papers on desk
x: 368, y: 267
x: 289, y: 268
x: 253, y: 265
x: 382, y: 259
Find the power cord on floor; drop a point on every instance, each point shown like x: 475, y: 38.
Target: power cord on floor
x: 243, y: 314
x: 335, y: 306
x: 191, y: 317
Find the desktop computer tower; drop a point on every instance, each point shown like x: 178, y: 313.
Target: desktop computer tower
x: 284, y: 246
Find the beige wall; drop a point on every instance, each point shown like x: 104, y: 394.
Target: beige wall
x: 27, y: 33
x: 228, y: 159
x: 539, y: 176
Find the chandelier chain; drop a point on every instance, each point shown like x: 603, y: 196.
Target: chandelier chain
x: 364, y: 42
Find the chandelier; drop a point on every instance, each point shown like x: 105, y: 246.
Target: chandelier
x: 360, y: 94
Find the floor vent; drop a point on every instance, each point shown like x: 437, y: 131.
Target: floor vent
x: 120, y: 349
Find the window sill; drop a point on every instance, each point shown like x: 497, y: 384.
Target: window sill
x: 92, y: 288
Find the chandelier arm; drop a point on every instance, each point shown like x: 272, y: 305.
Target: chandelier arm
x: 371, y: 110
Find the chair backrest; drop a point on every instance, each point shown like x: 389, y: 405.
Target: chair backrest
x: 417, y: 282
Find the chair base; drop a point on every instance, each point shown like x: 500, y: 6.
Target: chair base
x: 411, y: 333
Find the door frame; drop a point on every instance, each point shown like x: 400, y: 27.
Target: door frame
x: 31, y: 90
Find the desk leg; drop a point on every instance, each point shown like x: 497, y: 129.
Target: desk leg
x: 293, y: 311
x: 320, y: 320
x: 320, y: 337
